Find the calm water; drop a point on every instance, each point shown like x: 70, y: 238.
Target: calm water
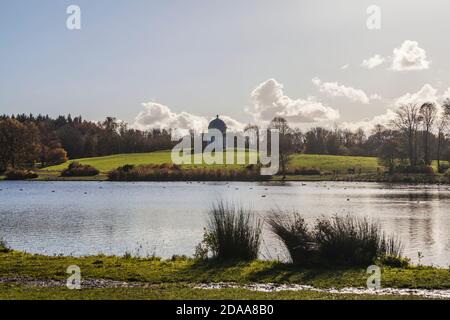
x: 86, y: 218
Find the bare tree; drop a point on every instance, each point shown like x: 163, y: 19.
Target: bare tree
x: 442, y: 127
x: 285, y: 141
x: 254, y: 128
x: 408, y: 121
x: 428, y: 113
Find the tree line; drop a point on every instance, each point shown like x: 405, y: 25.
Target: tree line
x: 26, y: 140
x: 418, y: 135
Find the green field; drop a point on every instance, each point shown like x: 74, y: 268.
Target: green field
x: 105, y: 164
x: 177, y: 278
x: 323, y: 162
x: 330, y: 163
x: 332, y: 167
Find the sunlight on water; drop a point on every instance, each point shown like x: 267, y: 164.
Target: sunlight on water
x: 86, y: 218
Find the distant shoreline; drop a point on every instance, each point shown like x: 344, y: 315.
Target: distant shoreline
x: 415, y: 179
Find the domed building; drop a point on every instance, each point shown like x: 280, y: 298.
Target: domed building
x: 220, y: 125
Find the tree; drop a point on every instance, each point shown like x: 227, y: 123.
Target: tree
x: 56, y: 156
x: 428, y: 113
x: 389, y: 151
x: 280, y: 124
x: 408, y: 121
x: 253, y: 128
x: 443, y: 125
x: 316, y: 141
x: 19, y: 143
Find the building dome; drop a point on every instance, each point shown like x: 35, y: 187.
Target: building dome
x: 218, y: 124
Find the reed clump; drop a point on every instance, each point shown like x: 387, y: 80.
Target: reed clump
x: 233, y: 234
x: 337, y: 240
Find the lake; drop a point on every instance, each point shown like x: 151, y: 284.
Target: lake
x: 87, y: 218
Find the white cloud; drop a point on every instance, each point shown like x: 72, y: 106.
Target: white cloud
x: 336, y: 90
x: 269, y: 101
x: 426, y: 94
x: 369, y: 124
x: 345, y: 67
x: 375, y: 97
x: 156, y: 115
x: 446, y: 94
x: 373, y: 62
x: 410, y: 57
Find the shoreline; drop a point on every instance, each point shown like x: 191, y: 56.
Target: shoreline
x: 405, y: 179
x: 277, y: 180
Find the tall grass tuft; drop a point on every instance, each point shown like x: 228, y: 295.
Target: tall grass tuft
x: 353, y: 241
x: 293, y: 232
x: 233, y: 233
x: 337, y: 241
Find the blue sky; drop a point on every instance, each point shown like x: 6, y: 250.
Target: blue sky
x: 208, y: 57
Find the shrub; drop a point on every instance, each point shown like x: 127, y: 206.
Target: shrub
x: 394, y: 261
x: 4, y: 247
x: 305, y: 171
x: 353, y: 241
x: 57, y: 156
x: 20, y: 174
x: 171, y: 172
x: 422, y: 169
x: 77, y: 169
x: 233, y: 234
x: 294, y: 234
x: 443, y: 168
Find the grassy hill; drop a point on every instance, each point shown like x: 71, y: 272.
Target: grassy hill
x: 330, y: 163
x: 105, y: 164
x: 323, y: 162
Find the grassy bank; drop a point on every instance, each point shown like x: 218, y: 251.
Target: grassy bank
x: 175, y: 279
x: 155, y: 271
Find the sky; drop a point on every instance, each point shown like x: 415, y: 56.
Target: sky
x: 178, y: 63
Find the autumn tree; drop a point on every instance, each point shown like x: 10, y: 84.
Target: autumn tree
x: 56, y: 156
x: 19, y: 143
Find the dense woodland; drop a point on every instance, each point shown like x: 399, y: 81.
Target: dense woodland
x: 417, y: 136
x: 28, y: 139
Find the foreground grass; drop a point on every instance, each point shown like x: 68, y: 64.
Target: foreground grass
x: 183, y: 270
x: 175, y: 279
x: 172, y: 292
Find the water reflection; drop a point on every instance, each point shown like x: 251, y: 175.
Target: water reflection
x: 168, y: 218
